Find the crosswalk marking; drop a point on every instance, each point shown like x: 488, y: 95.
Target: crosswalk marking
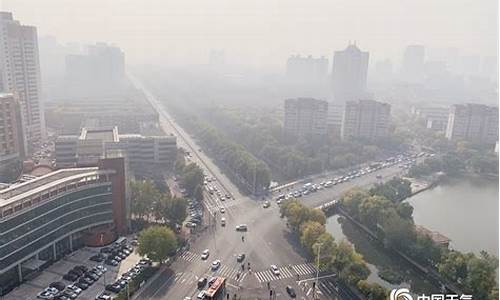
x: 286, y: 272
x: 190, y: 256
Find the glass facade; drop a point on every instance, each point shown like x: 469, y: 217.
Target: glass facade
x: 24, y: 234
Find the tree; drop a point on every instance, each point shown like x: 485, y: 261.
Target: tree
x: 177, y: 210
x: 143, y: 195
x: 352, y: 199
x: 373, y: 291
x: 198, y: 193
x: 157, y: 243
x: 192, y: 176
x: 310, y: 232
x: 481, y: 276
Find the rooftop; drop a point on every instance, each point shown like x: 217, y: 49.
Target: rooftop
x: 16, y: 191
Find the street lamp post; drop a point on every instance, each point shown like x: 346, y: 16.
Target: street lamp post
x: 317, y: 268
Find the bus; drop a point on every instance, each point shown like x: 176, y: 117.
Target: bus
x: 217, y: 291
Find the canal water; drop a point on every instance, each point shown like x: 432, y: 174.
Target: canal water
x: 464, y: 210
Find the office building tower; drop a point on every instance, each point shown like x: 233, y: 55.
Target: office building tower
x: 349, y: 73
x: 305, y: 117
x: 413, y: 66
x: 20, y: 74
x: 365, y: 119
x: 475, y: 123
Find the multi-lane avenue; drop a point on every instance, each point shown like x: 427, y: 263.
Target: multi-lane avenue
x: 267, y: 241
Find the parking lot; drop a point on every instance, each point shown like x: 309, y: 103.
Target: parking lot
x: 54, y: 273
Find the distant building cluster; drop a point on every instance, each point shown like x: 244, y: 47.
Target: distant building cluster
x: 129, y: 111
x: 434, y: 116
x: 94, y: 144
x: 306, y: 69
x: 363, y: 119
x: 103, y: 66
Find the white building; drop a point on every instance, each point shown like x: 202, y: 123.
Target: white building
x: 20, y: 74
x: 95, y: 144
x: 366, y: 119
x: 305, y: 117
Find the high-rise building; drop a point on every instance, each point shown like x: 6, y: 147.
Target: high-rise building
x: 12, y: 141
x: 306, y: 68
x: 474, y: 123
x: 413, y: 66
x: 305, y: 117
x: 20, y: 74
x: 366, y: 119
x: 349, y: 72
x: 102, y: 67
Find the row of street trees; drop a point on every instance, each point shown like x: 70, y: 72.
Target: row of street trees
x: 381, y: 210
x: 341, y: 258
x: 149, y: 204
x: 261, y: 133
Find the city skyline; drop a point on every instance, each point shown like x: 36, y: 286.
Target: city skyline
x: 184, y: 33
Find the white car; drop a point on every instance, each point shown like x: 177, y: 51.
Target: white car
x: 205, y: 254
x: 75, y: 289
x: 45, y: 295
x: 275, y: 270
x: 201, y: 295
x: 222, y: 210
x: 215, y: 265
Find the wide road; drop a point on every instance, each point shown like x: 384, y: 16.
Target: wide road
x: 267, y: 241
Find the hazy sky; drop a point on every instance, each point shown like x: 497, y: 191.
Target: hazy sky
x: 263, y: 32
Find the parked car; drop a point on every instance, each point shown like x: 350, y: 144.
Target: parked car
x: 291, y: 291
x: 202, y: 282
x: 240, y: 257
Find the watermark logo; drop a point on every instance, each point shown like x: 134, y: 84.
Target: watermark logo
x: 404, y: 294
x: 401, y: 294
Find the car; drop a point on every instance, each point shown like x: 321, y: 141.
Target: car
x: 291, y: 291
x: 215, y: 265
x: 45, y: 295
x: 92, y: 276
x: 266, y: 204
x: 69, y: 294
x: 222, y: 210
x: 74, y: 289
x: 76, y: 272
x: 58, y: 285
x: 87, y: 280
x: 205, y: 254
x: 279, y: 201
x: 61, y: 297
x: 70, y: 277
x: 241, y: 227
x: 211, y: 281
x: 275, y: 270
x: 187, y: 298
x: 101, y: 268
x: 202, y: 282
x: 97, y: 258
x: 104, y: 296
x: 111, y: 262
x: 240, y: 257
x: 115, y: 288
x: 82, y: 285
x: 223, y: 221
x: 201, y: 295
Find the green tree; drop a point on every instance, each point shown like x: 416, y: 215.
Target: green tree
x: 177, y: 210
x: 143, y: 195
x: 310, y: 232
x: 192, y: 176
x: 198, y: 193
x: 157, y: 243
x: 373, y: 291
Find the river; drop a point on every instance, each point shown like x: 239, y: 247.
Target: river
x: 464, y: 210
